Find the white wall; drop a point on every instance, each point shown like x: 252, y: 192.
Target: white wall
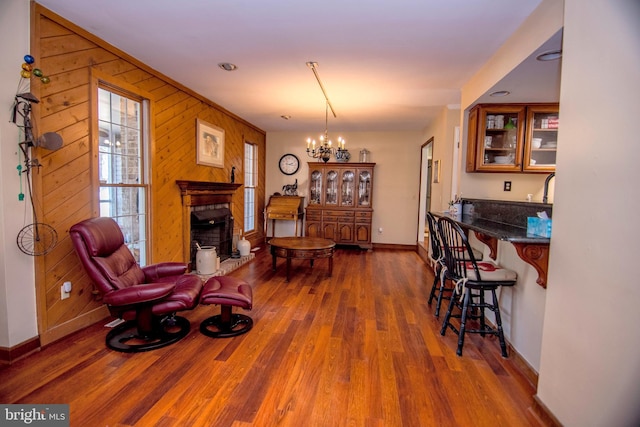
x: 17, y: 280
x: 396, y: 183
x: 590, y: 367
x: 442, y: 131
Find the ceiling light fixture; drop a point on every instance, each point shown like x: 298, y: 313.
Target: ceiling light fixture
x: 227, y: 66
x: 551, y: 55
x: 324, y: 150
x: 500, y: 93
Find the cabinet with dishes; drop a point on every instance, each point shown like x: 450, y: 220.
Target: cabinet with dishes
x: 340, y: 197
x: 512, y: 138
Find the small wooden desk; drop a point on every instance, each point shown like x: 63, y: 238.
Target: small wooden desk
x: 302, y: 248
x: 287, y: 208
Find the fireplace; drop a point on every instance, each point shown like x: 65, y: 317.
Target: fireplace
x: 207, y: 217
x: 211, y: 226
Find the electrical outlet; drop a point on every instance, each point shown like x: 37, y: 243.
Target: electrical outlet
x: 63, y: 294
x: 507, y: 186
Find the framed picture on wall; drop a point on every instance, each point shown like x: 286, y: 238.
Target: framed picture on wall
x: 209, y: 144
x: 436, y: 171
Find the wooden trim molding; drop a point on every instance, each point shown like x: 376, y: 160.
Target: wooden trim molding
x: 10, y: 355
x: 394, y: 246
x: 541, y: 413
x: 523, y: 366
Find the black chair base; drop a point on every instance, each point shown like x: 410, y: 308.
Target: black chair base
x: 127, y: 338
x: 474, y: 311
x: 236, y: 324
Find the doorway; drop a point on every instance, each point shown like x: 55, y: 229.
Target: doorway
x: 426, y: 180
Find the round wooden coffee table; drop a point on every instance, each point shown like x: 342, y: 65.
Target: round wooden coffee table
x: 302, y: 248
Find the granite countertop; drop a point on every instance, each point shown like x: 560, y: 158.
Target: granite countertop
x: 500, y: 231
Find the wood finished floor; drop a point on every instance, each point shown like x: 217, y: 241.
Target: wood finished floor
x: 361, y: 348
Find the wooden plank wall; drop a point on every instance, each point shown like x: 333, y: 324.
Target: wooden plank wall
x: 65, y: 188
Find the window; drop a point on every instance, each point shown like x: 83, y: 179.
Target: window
x: 250, y: 183
x: 121, y: 166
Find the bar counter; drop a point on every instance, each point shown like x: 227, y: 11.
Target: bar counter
x: 497, y: 230
x: 493, y: 220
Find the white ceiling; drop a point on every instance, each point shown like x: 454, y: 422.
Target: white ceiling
x: 386, y: 65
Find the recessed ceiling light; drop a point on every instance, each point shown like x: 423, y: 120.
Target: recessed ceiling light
x: 551, y: 55
x: 500, y: 93
x: 285, y: 116
x: 227, y: 66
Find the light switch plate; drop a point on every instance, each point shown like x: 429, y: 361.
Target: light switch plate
x: 63, y: 294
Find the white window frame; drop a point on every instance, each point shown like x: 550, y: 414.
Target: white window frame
x: 139, y: 245
x: 250, y: 186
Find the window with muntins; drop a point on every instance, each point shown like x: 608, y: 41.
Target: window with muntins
x: 121, y: 166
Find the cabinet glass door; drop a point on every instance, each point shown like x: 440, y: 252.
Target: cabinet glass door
x: 500, y: 138
x: 331, y: 195
x: 347, y: 188
x: 364, y: 188
x: 542, y: 139
x: 315, y: 188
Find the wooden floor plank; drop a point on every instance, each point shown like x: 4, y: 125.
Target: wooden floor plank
x: 360, y: 348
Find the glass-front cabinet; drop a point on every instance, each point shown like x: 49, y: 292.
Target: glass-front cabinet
x: 347, y: 188
x: 340, y: 202
x: 542, y: 138
x: 316, y: 179
x: 364, y: 187
x: 331, y: 195
x: 501, y: 133
x: 512, y: 138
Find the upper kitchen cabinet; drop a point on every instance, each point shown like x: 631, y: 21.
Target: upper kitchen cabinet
x: 541, y: 142
x: 512, y: 138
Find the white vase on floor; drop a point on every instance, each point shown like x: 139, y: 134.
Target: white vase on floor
x: 244, y: 246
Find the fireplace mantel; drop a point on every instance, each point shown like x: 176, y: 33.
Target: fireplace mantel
x: 201, y: 193
x: 206, y: 187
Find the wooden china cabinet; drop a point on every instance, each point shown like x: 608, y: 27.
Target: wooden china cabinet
x: 512, y: 138
x: 340, y: 202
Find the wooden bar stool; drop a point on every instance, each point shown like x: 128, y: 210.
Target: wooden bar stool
x: 472, y: 279
x: 442, y: 292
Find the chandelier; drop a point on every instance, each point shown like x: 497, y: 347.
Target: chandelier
x: 324, y: 149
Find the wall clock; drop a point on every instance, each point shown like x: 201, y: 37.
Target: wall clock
x: 289, y: 164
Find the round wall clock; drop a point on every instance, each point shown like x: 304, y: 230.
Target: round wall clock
x: 289, y: 164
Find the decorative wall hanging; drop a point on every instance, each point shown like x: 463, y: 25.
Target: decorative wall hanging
x: 37, y: 238
x: 436, y: 171
x: 209, y: 144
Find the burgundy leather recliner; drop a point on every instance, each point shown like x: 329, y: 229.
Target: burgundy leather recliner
x: 146, y: 298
